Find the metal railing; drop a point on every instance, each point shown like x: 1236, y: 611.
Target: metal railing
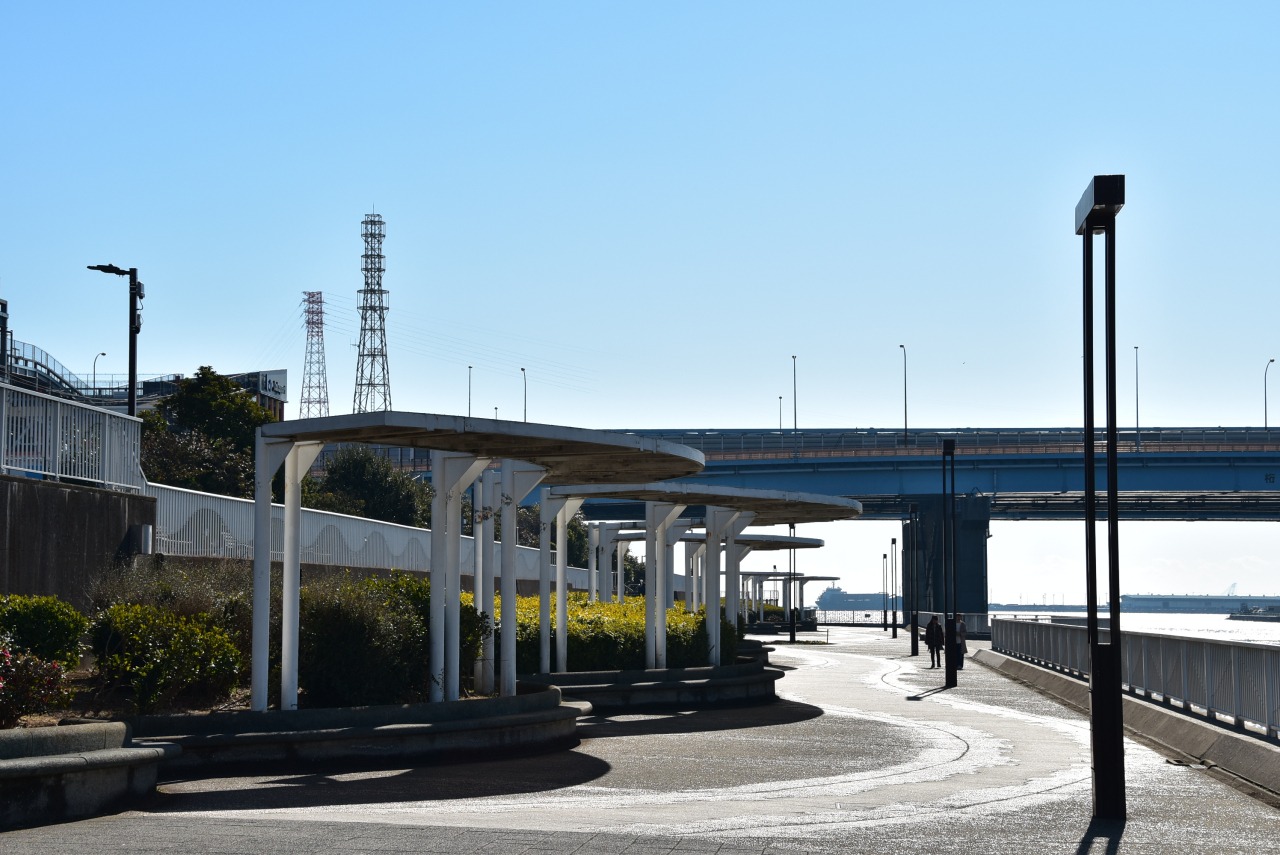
x: 48, y: 437
x: 202, y: 525
x: 1225, y: 682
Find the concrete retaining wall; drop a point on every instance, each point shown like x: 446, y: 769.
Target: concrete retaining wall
x: 55, y: 774
x: 536, y: 718
x: 55, y: 538
x: 1248, y: 757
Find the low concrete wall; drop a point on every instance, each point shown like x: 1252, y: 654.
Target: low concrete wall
x: 55, y: 538
x: 535, y: 718
x: 55, y: 774
x: 748, y: 682
x: 1248, y: 757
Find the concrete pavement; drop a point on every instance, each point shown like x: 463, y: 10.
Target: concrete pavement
x: 864, y: 754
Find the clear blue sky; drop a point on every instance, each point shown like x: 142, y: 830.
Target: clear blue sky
x: 652, y: 206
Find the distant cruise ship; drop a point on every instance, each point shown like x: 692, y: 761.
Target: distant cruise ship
x: 1194, y: 603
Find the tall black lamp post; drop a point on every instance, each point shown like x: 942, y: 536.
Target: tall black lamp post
x: 913, y: 578
x: 1264, y: 393
x: 136, y: 293
x: 884, y: 592
x: 893, y: 583
x: 951, y: 653
x: 1096, y: 214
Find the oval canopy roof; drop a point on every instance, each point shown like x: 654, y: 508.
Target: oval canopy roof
x: 570, y: 455
x: 771, y: 507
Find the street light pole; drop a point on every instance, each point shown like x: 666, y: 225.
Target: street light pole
x: 1264, y: 393
x: 795, y: 420
x: 904, y: 393
x: 893, y: 583
x: 1096, y: 214
x: 779, y: 414
x: 1137, y: 430
x: 468, y: 391
x: 136, y: 293
x: 884, y: 592
x: 95, y: 373
x: 525, y: 378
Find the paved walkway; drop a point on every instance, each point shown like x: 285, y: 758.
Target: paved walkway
x: 865, y: 754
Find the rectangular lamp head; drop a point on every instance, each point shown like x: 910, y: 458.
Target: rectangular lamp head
x: 1102, y: 200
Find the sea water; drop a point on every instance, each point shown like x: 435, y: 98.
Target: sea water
x: 1217, y: 627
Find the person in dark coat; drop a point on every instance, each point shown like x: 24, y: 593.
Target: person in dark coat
x: 933, y: 640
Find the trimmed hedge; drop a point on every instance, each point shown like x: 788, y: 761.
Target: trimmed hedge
x: 610, y: 636
x: 163, y: 657
x: 366, y: 641
x: 45, y: 627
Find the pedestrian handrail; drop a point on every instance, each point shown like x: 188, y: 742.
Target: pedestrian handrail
x: 43, y: 436
x: 1224, y: 682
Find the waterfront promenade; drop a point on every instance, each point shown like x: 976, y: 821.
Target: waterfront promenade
x: 865, y: 754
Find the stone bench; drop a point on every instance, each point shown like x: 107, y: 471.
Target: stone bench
x: 55, y: 774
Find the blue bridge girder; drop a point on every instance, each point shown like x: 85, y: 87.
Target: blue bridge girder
x: 1164, y: 473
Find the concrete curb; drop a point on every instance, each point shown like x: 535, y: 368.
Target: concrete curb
x: 56, y: 774
x: 611, y: 691
x: 536, y: 718
x: 1247, y: 757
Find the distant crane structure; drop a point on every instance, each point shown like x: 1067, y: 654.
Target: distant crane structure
x: 315, y: 380
x: 1231, y: 590
x: 373, y: 382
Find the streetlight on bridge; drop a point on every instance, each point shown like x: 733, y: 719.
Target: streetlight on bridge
x: 904, y: 394
x: 95, y: 373
x: 1264, y: 393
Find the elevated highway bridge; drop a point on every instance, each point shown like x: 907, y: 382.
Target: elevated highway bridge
x: 1223, y: 473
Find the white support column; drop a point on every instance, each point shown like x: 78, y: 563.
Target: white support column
x: 733, y: 555
x: 719, y: 522
x: 485, y: 576
x: 267, y: 459
x: 451, y: 473
x: 568, y: 507
x: 546, y: 518
x: 675, y: 531
x: 296, y: 462
x: 605, y: 566
x: 621, y: 571
x: 593, y: 562
x: 518, y: 480
x: 664, y: 516
x: 650, y: 587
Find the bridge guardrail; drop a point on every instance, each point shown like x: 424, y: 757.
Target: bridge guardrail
x: 1231, y: 683
x: 57, y: 439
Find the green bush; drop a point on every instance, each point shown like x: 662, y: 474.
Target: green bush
x: 361, y: 644
x: 28, y: 685
x: 45, y: 627
x: 164, y: 657
x: 219, y: 590
x: 366, y: 641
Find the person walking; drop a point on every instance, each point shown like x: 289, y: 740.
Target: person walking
x: 961, y: 647
x: 933, y: 640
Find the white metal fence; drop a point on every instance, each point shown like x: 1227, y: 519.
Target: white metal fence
x: 201, y: 525
x: 1225, y: 682
x: 47, y: 437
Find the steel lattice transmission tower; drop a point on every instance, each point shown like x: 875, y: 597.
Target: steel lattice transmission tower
x: 315, y: 380
x: 373, y: 383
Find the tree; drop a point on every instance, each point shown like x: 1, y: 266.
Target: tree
x: 202, y: 436
x: 362, y: 483
x: 529, y: 520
